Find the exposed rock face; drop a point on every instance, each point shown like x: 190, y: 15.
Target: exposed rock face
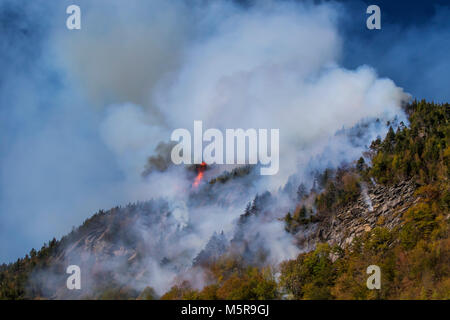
x: 377, y: 206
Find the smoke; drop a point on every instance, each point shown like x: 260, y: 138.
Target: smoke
x: 250, y: 73
x: 124, y: 50
x: 99, y: 101
x: 366, y: 197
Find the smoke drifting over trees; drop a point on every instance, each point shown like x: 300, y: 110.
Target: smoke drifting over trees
x: 99, y: 102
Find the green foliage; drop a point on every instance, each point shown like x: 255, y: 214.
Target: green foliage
x: 310, y: 275
x: 302, y: 216
x: 235, y: 173
x: 420, y: 221
x: 340, y: 190
x: 115, y: 292
x: 148, y: 294
x: 182, y: 291
x: 419, y: 151
x: 251, y: 284
x: 418, y: 272
x: 231, y: 280
x: 14, y: 278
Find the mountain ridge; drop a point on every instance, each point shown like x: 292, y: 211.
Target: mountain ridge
x: 401, y: 202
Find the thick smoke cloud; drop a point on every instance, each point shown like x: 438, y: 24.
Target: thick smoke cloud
x: 84, y: 109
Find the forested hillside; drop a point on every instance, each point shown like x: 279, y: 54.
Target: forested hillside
x: 414, y: 256
x: 408, y: 240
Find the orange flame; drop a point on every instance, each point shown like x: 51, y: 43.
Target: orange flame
x: 199, y: 176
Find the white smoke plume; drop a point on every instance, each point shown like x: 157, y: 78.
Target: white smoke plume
x: 147, y: 69
x: 275, y: 65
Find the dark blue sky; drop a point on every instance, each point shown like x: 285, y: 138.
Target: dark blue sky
x: 412, y: 47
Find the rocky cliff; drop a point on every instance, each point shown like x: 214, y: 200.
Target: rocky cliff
x: 378, y: 205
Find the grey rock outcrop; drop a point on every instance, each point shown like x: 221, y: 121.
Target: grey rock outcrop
x: 377, y: 206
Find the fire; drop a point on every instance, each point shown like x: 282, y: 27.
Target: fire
x: 199, y: 177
